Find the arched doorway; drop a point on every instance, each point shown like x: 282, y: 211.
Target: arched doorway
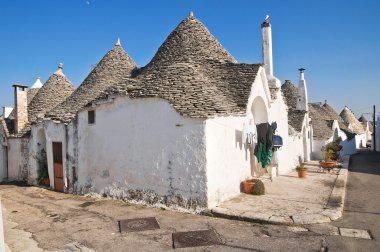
x: 42, y: 165
x: 260, y: 115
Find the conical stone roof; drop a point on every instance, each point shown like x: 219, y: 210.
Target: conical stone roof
x: 364, y: 122
x: 34, y: 89
x: 295, y: 117
x: 350, y: 119
x: 116, y: 66
x: 290, y: 92
x: 55, y: 90
x: 194, y: 73
x: 190, y: 41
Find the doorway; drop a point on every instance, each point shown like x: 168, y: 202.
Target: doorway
x: 58, y: 167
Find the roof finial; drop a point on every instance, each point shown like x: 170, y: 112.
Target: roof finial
x: 267, y: 19
x: 325, y: 101
x: 118, y: 42
x: 59, y: 71
x: 191, y: 14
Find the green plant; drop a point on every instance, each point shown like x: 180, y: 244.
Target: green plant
x: 258, y: 188
x: 42, y: 166
x: 301, y: 168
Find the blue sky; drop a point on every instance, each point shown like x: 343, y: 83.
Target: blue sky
x: 338, y: 42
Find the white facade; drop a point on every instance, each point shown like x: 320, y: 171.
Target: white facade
x: 142, y: 144
x: 3, y: 155
x: 143, y: 150
x: 18, y: 155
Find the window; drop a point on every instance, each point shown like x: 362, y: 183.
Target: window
x: 91, y: 117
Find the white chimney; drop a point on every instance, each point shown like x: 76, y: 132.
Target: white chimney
x: 21, y: 107
x: 267, y: 46
x: 302, y: 103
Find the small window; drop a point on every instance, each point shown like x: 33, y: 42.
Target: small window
x: 91, y: 117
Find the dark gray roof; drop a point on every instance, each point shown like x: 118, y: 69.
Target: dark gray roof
x: 190, y: 41
x: 322, y: 118
x: 295, y: 117
x: 194, y: 73
x: 5, y: 126
x: 364, y: 122
x: 115, y: 66
x: 349, y: 118
x: 55, y: 90
x: 200, y: 90
x: 290, y: 93
x: 31, y: 93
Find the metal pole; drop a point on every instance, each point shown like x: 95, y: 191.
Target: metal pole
x: 374, y: 127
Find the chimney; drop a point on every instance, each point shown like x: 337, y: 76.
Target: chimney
x: 21, y: 109
x: 267, y: 46
x: 7, y: 111
x: 302, y: 103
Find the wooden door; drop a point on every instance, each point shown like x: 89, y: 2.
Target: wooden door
x: 58, y: 167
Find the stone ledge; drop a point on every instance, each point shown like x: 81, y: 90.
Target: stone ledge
x: 331, y: 212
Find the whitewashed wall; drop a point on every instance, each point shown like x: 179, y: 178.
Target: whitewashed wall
x: 3, y: 155
x: 228, y: 158
x: 143, y: 146
x: 54, y: 132
x: 18, y: 159
x: 295, y: 149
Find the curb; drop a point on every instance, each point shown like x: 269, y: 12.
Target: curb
x: 333, y: 210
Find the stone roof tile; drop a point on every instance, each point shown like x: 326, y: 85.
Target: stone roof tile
x: 116, y: 66
x: 55, y: 90
x: 199, y: 90
x: 190, y: 41
x: 349, y: 118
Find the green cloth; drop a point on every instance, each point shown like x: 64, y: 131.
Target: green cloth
x: 263, y: 156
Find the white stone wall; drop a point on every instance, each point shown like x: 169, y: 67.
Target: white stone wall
x: 228, y: 158
x: 18, y: 159
x: 142, y: 149
x: 54, y: 132
x: 3, y: 155
x: 295, y: 149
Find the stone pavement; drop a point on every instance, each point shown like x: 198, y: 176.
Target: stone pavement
x: 319, y: 198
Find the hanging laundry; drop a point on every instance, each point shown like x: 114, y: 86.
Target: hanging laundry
x: 263, y: 149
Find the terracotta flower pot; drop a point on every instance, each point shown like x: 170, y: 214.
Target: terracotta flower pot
x: 302, y: 173
x: 46, y: 182
x: 327, y: 164
x: 248, y: 186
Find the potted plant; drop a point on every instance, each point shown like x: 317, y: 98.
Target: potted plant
x: 247, y: 185
x: 302, y: 171
x: 327, y: 162
x: 43, y: 174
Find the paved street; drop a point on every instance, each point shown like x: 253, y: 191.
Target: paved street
x: 36, y: 219
x: 362, y: 206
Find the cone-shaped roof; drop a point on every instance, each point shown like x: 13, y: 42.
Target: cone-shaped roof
x: 55, y: 90
x: 322, y: 117
x: 34, y: 89
x: 190, y: 41
x: 349, y: 118
x: 290, y: 92
x: 194, y: 73
x: 364, y: 122
x: 114, y: 67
